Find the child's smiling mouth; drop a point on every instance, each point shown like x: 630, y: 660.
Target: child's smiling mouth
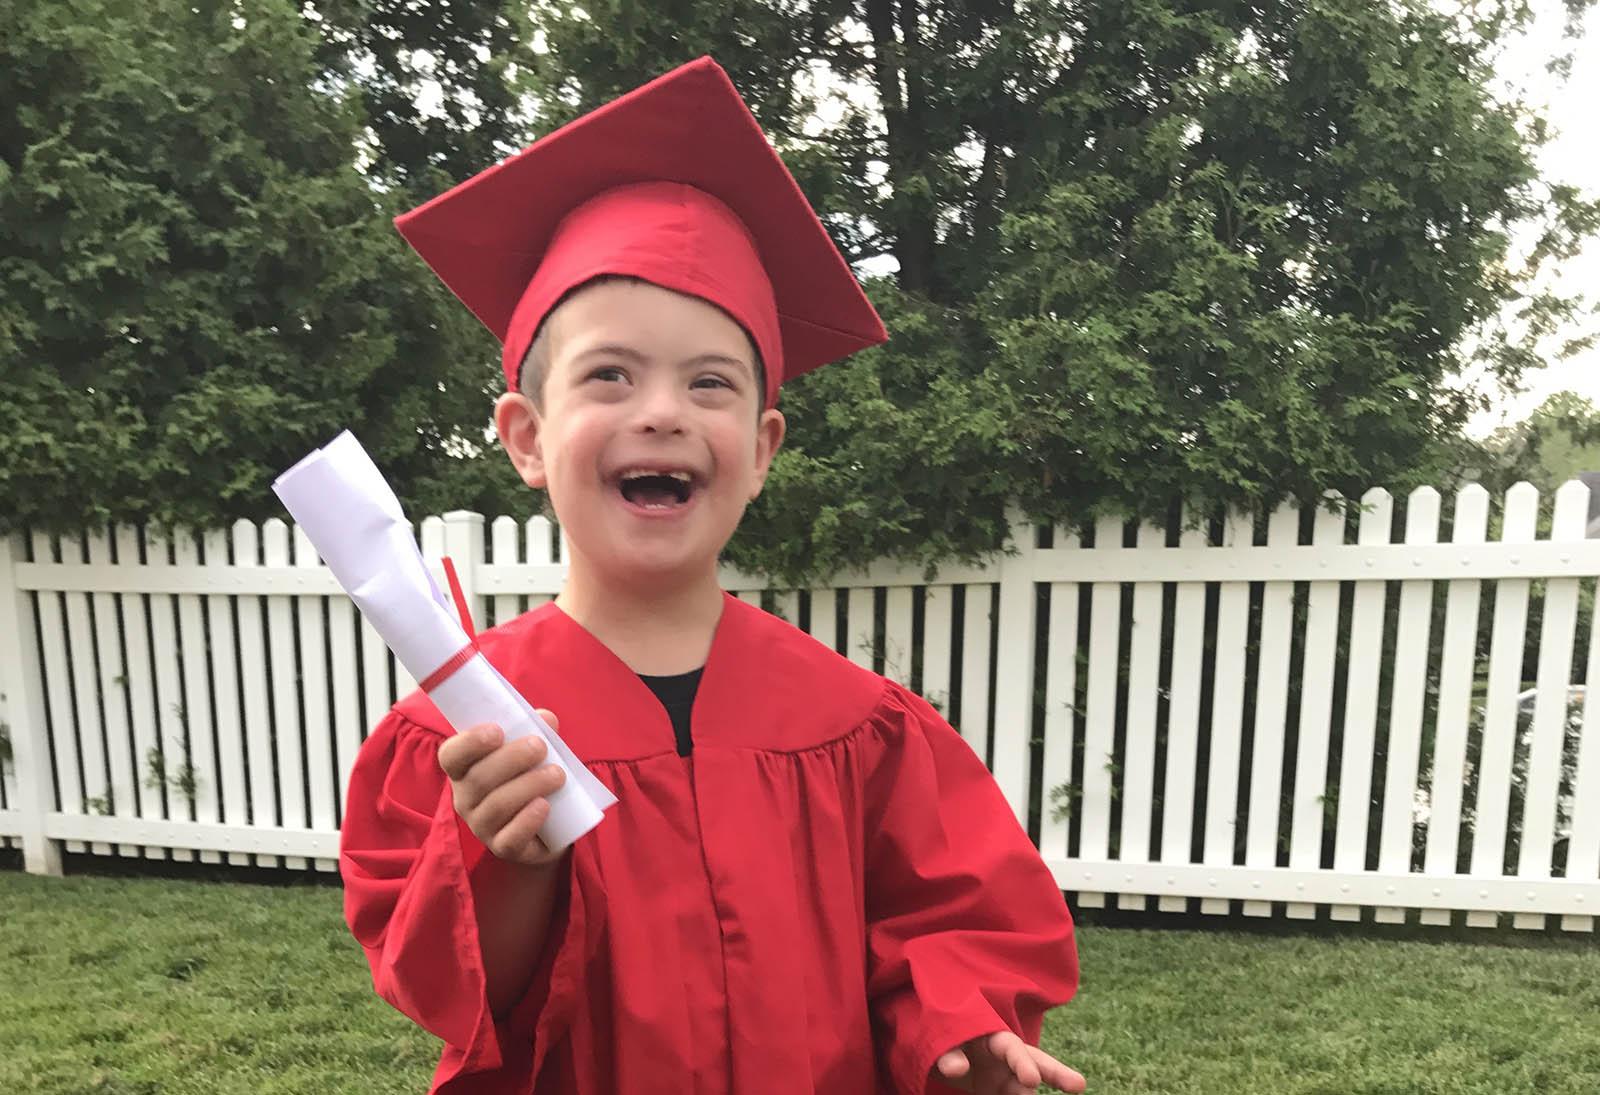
x: 656, y: 489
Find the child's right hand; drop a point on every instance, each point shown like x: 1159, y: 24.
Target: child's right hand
x: 500, y: 789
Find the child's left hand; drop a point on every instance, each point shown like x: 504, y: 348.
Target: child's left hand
x: 1003, y: 1064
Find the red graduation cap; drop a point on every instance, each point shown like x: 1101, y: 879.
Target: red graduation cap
x: 673, y: 183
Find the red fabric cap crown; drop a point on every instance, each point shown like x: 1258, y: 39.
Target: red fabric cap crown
x: 673, y: 183
x: 668, y: 234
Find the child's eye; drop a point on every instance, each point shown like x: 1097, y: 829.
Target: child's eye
x: 711, y: 380
x: 608, y: 373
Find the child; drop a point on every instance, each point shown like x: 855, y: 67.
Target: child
x: 808, y: 883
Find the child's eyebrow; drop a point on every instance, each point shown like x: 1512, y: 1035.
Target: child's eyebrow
x: 637, y: 357
x: 612, y: 349
x: 718, y: 359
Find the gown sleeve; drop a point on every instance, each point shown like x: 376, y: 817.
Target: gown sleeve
x: 967, y: 931
x: 407, y: 861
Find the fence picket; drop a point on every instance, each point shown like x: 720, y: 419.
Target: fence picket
x: 976, y: 649
x: 198, y: 772
x: 16, y: 721
x: 123, y: 774
x: 431, y: 538
x: 1271, y: 721
x: 254, y: 686
x: 1548, y: 730
x: 316, y: 726
x: 1456, y: 663
x: 377, y: 692
x: 1361, y: 703
x: 538, y: 536
x: 503, y: 544
x: 1316, y: 708
x: 53, y: 633
x: 824, y: 617
x: 464, y: 544
x: 1144, y: 684
x: 225, y: 693
x: 937, y: 603
x: 897, y: 620
x: 343, y: 637
x: 140, y: 685
x: 31, y: 790
x: 1183, y: 718
x: 86, y: 697
x: 165, y: 652
x: 860, y: 628
x: 1014, y: 671
x: 1100, y: 708
x: 1583, y: 847
x: 787, y: 605
x: 1500, y: 705
x: 10, y: 797
x: 1411, y: 652
x: 1227, y: 714
x: 285, y: 694
x: 1060, y: 690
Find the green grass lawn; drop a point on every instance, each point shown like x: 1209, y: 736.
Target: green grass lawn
x: 152, y: 985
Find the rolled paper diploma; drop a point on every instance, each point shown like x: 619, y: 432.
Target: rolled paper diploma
x: 345, y: 507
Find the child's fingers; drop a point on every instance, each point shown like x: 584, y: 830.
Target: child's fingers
x: 1013, y: 1053
x: 496, y: 809
x: 461, y: 751
x: 518, y: 840
x: 498, y: 767
x: 1053, y: 1072
x: 953, y: 1065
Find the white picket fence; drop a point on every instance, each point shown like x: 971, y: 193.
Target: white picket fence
x: 1253, y: 717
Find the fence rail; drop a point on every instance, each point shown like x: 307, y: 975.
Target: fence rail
x: 1288, y: 711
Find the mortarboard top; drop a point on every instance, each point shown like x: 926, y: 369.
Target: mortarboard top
x: 674, y: 183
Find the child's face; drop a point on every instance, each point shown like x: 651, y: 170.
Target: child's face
x: 651, y: 441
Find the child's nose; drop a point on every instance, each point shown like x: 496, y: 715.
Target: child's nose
x: 659, y: 409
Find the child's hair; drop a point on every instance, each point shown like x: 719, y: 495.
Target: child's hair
x: 536, y: 362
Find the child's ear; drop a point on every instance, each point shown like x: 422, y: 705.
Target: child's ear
x: 769, y: 438
x: 520, y: 429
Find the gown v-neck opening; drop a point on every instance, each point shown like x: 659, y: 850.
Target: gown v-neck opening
x: 676, y: 693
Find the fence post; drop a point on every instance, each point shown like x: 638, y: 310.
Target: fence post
x: 21, y: 686
x: 463, y: 542
x: 1014, y: 657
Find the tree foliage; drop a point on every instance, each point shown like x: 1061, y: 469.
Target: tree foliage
x: 1559, y: 441
x: 1144, y: 253
x: 1132, y: 254
x: 196, y: 284
x: 434, y: 81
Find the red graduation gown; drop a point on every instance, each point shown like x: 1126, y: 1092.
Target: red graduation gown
x: 826, y: 896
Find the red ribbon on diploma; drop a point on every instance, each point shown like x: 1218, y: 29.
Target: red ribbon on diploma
x: 466, y: 653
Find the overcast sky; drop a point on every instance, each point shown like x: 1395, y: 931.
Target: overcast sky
x: 1573, y: 109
